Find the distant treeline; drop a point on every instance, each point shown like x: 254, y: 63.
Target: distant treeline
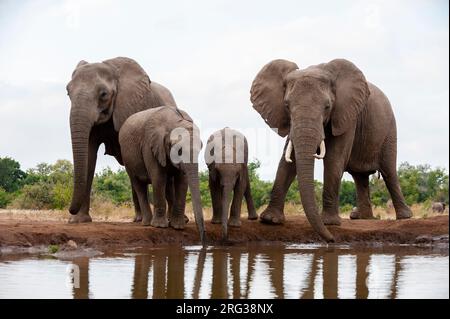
x: 49, y: 186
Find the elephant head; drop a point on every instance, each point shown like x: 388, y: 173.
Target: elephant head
x: 177, y: 142
x: 308, y: 104
x: 102, y: 92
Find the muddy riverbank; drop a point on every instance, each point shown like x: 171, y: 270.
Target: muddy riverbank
x: 105, y: 235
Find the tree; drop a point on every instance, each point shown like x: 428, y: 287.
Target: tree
x: 11, y: 176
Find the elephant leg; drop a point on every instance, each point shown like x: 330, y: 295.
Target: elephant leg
x: 137, y: 207
x: 388, y: 169
x: 170, y: 196
x: 330, y: 196
x: 252, y: 215
x: 338, y: 155
x: 402, y: 211
x: 274, y: 212
x: 216, y: 198
x: 178, y: 219
x: 140, y: 189
x: 83, y: 214
x: 159, y: 197
x: 236, y: 204
x: 364, y: 208
x: 332, y: 175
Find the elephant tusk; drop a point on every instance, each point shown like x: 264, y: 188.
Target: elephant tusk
x: 322, y: 151
x: 288, y: 152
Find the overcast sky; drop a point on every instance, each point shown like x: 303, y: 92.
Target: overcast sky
x: 208, y: 52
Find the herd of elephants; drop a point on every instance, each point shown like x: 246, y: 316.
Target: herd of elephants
x: 327, y: 111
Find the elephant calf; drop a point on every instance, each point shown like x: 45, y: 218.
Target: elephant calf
x: 160, y: 147
x: 227, y: 156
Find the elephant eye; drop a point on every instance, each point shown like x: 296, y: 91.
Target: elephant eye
x: 327, y: 106
x: 103, y: 94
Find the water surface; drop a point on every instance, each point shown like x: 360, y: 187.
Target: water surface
x: 254, y: 271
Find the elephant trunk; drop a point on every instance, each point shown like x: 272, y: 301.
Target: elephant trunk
x: 305, y: 147
x: 226, y: 190
x: 194, y: 185
x: 80, y: 128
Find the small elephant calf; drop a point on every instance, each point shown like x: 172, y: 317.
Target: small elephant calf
x: 226, y: 155
x: 160, y: 147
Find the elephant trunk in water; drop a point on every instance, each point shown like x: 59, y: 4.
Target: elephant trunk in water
x: 304, y: 155
x: 80, y: 128
x: 191, y: 171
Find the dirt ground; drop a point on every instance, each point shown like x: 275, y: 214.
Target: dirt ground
x: 27, y: 232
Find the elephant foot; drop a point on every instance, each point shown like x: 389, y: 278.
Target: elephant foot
x: 160, y: 222
x: 272, y: 217
x: 186, y: 219
x: 331, y: 219
x: 360, y: 214
x: 403, y: 214
x: 234, y: 222
x: 216, y: 220
x: 146, y: 221
x: 137, y: 219
x: 252, y: 216
x: 80, y: 218
x: 177, y: 222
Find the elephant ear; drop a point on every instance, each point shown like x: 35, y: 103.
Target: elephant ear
x: 352, y: 92
x: 133, y: 90
x: 81, y: 63
x: 157, y: 141
x: 267, y: 94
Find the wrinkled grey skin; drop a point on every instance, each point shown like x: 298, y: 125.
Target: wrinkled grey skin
x: 438, y: 207
x: 330, y: 102
x: 103, y: 95
x: 145, y: 141
x: 229, y: 176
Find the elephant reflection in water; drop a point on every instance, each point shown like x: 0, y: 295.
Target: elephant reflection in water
x: 167, y: 273
x: 164, y: 286
x: 80, y: 278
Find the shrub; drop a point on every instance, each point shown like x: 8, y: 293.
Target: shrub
x: 5, y: 198
x: 114, y: 186
x: 36, y: 196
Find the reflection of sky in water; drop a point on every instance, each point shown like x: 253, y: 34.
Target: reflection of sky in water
x: 429, y: 275
x: 110, y: 277
x: 381, y: 272
x: 260, y: 286
x: 35, y: 278
x: 347, y: 277
x: 297, y: 269
x: 269, y: 273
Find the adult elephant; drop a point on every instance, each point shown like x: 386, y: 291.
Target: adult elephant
x: 103, y: 96
x: 328, y: 108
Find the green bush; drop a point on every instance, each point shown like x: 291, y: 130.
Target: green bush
x: 5, y: 198
x: 347, y: 194
x: 35, y: 196
x: 114, y: 186
x: 62, y: 195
